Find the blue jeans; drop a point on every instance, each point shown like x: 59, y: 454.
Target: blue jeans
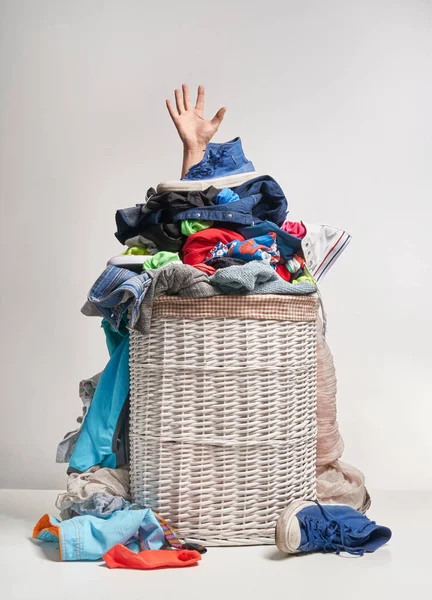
x: 115, y: 290
x: 88, y: 538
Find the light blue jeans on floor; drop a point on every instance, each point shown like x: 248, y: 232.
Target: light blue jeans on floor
x: 88, y: 538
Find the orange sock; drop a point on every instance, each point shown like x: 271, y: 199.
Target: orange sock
x: 120, y: 557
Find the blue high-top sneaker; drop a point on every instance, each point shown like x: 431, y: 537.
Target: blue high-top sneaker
x: 306, y: 526
x: 223, y: 165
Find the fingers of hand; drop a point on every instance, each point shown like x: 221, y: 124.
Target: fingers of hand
x: 200, y: 99
x: 172, y: 111
x: 179, y: 101
x: 218, y: 118
x: 186, y: 97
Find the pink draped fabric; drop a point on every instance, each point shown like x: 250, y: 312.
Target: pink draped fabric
x: 329, y: 441
x: 340, y: 483
x: 337, y: 482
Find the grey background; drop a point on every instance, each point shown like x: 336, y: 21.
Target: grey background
x: 331, y: 98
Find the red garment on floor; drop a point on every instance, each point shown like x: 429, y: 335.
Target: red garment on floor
x: 199, y: 244
x: 298, y: 230
x: 207, y: 269
x: 120, y: 557
x: 283, y: 272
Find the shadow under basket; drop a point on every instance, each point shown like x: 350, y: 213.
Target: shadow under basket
x: 223, y: 414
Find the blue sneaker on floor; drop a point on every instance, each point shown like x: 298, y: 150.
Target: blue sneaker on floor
x: 306, y: 526
x: 223, y: 166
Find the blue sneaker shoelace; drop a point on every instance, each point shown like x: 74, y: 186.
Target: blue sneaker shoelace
x: 329, y: 535
x: 206, y: 168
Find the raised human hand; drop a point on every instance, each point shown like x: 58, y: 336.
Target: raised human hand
x: 194, y: 130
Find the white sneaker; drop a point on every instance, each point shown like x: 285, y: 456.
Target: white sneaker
x: 322, y: 246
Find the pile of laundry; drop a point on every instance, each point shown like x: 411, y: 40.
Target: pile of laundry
x: 223, y: 229
x: 97, y: 520
x: 200, y: 244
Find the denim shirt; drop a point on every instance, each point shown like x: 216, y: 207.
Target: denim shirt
x: 261, y: 199
x: 240, y: 212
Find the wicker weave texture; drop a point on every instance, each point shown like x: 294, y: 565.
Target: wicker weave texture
x: 223, y: 424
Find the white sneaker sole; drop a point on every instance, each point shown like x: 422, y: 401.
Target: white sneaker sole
x: 202, y: 184
x: 128, y: 259
x: 287, y: 536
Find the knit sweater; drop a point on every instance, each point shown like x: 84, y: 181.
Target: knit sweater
x: 257, y: 277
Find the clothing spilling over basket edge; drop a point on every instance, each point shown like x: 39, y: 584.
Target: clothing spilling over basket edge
x: 216, y: 349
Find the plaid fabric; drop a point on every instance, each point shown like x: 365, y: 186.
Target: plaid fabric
x: 268, y: 306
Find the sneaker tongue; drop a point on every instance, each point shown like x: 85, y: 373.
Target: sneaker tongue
x: 370, y: 538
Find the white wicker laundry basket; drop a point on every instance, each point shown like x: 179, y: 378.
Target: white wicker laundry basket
x: 223, y: 413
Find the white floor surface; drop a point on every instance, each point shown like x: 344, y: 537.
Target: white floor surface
x: 31, y: 570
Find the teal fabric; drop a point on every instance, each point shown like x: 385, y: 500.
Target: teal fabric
x: 47, y: 536
x: 226, y: 195
x: 88, y: 537
x: 114, y: 338
x: 95, y: 443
